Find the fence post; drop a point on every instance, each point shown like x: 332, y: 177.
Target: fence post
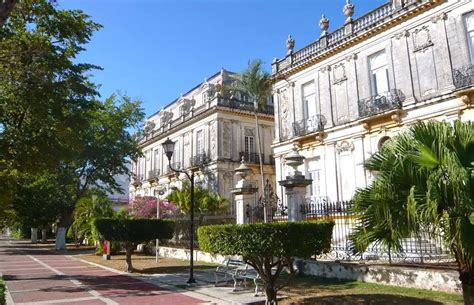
x: 295, y: 186
x: 244, y: 193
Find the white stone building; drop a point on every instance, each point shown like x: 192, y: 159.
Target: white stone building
x: 208, y: 122
x: 339, y: 98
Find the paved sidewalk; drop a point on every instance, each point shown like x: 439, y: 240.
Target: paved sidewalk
x: 40, y: 276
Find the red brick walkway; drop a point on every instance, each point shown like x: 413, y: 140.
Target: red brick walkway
x: 39, y: 276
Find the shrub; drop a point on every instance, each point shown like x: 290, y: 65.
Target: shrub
x: 133, y: 231
x: 2, y: 292
x: 265, y: 245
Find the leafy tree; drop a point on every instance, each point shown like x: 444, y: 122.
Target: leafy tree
x: 38, y: 201
x: 107, y: 147
x: 268, y: 247
x: 205, y: 201
x: 88, y: 208
x: 45, y: 93
x: 424, y: 181
x: 133, y: 231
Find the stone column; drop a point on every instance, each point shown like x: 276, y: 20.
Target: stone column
x: 244, y: 193
x: 295, y: 187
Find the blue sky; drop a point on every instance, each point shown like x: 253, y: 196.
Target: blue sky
x: 154, y: 50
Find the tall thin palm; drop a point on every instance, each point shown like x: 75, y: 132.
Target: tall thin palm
x: 256, y: 83
x: 424, y: 181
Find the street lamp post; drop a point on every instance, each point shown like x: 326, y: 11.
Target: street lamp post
x: 168, y: 147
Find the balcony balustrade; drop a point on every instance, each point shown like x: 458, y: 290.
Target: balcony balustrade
x: 153, y: 174
x: 309, y: 125
x: 247, y: 106
x: 175, y: 165
x: 200, y: 160
x: 464, y: 77
x: 251, y: 157
x: 380, y: 103
x: 338, y: 37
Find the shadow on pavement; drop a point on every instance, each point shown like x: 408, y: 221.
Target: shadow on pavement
x: 363, y: 299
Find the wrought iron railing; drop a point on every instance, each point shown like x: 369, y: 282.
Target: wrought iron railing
x: 380, y: 103
x: 246, y: 106
x: 309, y: 125
x: 464, y: 77
x: 153, y: 174
x: 174, y: 165
x: 200, y: 160
x: 251, y: 157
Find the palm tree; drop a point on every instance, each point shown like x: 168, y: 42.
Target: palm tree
x: 87, y: 210
x: 424, y: 181
x: 256, y: 83
x: 205, y: 201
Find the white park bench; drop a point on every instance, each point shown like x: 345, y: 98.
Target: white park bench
x: 237, y: 270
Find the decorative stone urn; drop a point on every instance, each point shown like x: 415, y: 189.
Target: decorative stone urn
x: 324, y: 25
x: 348, y: 10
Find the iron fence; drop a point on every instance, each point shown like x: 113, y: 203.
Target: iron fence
x: 425, y: 247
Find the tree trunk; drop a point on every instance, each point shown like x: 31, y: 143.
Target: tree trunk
x: 271, y: 295
x: 34, y: 235
x: 60, y: 239
x: 64, y: 222
x: 468, y: 294
x: 128, y: 256
x: 44, y: 233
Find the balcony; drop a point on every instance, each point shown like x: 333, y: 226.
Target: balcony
x: 153, y: 175
x: 378, y: 104
x: 175, y: 165
x: 200, y: 160
x: 309, y: 125
x: 251, y: 157
x: 246, y: 106
x: 464, y: 77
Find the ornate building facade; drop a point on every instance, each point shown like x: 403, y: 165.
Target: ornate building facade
x: 341, y: 97
x: 209, y: 125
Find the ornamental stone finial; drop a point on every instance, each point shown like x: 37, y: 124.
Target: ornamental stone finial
x: 348, y: 10
x: 290, y: 45
x: 324, y: 25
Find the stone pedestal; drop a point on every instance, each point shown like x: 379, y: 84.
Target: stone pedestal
x: 243, y: 197
x: 295, y: 192
x: 244, y: 193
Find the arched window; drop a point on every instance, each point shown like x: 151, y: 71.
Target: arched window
x: 382, y: 141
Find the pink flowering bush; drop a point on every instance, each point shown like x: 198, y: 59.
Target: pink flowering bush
x: 145, y: 207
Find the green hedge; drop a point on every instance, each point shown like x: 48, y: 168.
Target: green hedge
x: 2, y: 292
x: 134, y: 230
x: 289, y: 239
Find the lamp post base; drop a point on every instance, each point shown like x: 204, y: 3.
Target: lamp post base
x: 190, y: 281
